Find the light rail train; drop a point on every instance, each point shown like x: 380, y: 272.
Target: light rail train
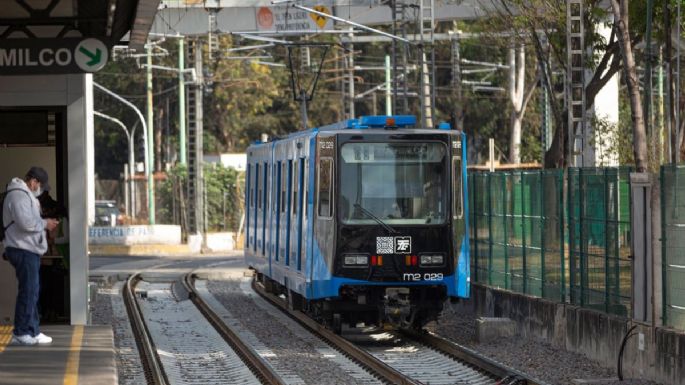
x: 362, y: 220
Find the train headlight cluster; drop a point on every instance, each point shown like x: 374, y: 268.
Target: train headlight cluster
x: 432, y: 260
x: 356, y: 260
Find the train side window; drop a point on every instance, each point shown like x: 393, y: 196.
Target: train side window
x: 303, y: 186
x: 284, y: 185
x: 295, y: 182
x: 458, y: 197
x: 266, y: 179
x: 277, y: 190
x: 250, y: 186
x: 259, y: 189
x: 325, y: 187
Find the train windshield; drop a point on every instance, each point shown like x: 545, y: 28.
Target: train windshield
x: 400, y: 183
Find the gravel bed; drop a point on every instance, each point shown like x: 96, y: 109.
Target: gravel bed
x: 535, y: 357
x: 190, y: 350
x: 307, y: 356
x: 109, y: 309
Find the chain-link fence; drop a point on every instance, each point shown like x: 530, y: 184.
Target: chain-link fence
x: 673, y: 243
x: 517, y: 231
x: 520, y: 241
x: 599, y: 239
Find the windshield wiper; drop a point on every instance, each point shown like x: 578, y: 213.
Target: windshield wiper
x: 375, y: 218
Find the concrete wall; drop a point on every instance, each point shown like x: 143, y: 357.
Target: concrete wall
x: 135, y: 235
x: 218, y: 242
x: 661, y: 356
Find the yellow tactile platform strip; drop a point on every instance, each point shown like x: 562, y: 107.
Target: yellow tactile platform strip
x: 5, y: 337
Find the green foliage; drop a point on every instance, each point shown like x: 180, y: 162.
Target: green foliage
x: 170, y: 196
x: 224, y: 201
x: 223, y: 193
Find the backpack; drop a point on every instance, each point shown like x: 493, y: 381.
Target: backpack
x: 4, y: 228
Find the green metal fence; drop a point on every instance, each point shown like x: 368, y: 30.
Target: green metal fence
x: 599, y: 239
x: 520, y: 242
x: 673, y: 243
x: 517, y: 231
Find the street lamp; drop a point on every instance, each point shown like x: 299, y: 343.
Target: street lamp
x: 148, y: 173
x: 131, y: 160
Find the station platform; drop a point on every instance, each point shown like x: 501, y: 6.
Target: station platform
x: 78, y: 355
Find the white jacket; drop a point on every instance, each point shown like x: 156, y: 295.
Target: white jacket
x: 28, y: 230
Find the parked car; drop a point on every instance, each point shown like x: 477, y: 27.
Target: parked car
x: 107, y: 214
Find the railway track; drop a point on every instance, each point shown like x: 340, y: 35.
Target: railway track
x: 406, y: 357
x: 177, y: 346
x: 154, y: 374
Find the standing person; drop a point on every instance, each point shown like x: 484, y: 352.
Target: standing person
x: 24, y: 244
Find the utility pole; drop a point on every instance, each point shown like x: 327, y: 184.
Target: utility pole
x: 181, y: 102
x: 575, y: 85
x: 350, y: 80
x: 456, y: 81
x: 388, y: 87
x: 195, y: 157
x: 150, y: 140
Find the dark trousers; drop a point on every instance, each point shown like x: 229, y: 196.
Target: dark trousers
x: 27, y: 267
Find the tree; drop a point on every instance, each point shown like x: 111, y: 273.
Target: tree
x: 519, y: 99
x: 621, y: 23
x: 543, y: 22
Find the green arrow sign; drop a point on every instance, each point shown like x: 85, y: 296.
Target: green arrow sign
x: 95, y: 57
x: 91, y: 55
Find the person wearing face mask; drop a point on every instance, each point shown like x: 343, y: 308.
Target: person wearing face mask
x: 24, y: 244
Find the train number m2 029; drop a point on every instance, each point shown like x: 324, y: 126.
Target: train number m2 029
x: 422, y: 277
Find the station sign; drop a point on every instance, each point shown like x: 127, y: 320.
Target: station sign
x: 52, y: 56
x: 284, y: 18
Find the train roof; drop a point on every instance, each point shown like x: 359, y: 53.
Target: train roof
x: 362, y: 123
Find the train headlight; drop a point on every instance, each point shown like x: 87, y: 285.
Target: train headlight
x: 356, y: 260
x: 432, y: 260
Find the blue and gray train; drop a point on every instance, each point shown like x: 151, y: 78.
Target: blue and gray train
x: 362, y: 220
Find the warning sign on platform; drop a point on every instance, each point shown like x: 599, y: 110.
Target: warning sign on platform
x: 285, y: 18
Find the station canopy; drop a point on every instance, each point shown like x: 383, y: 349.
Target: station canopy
x: 108, y: 21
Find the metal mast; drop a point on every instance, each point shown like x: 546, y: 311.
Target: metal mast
x: 399, y: 61
x: 195, y: 157
x: 575, y: 83
x: 426, y: 28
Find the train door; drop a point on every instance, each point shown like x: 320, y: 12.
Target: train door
x: 288, y: 209
x: 257, y: 205
x: 265, y: 191
x: 300, y: 211
x: 278, y: 187
x: 324, y: 232
x: 248, y: 206
x: 294, y: 214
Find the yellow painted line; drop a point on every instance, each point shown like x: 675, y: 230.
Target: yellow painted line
x: 71, y: 372
x: 5, y: 337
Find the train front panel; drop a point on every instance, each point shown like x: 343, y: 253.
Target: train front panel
x: 390, y: 230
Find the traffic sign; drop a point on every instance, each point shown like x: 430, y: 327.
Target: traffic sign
x: 283, y: 18
x: 52, y: 56
x: 319, y: 19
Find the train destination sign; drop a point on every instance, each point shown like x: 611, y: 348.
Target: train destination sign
x: 52, y: 56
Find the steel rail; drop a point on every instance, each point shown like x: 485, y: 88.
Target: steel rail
x: 470, y: 357
x: 154, y: 371
x: 374, y: 365
x: 250, y: 357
